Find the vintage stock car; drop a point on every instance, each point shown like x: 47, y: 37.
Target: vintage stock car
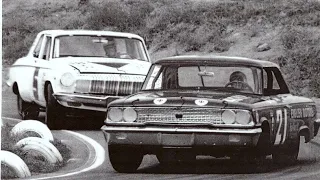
x: 67, y: 72
x: 218, y: 106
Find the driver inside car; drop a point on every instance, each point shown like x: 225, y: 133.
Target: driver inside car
x: 238, y: 80
x: 110, y: 50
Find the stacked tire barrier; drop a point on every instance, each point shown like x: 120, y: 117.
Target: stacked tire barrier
x: 34, y: 140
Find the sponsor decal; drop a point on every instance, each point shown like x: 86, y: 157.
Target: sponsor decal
x: 306, y: 112
x: 159, y: 101
x: 236, y: 98
x: 294, y: 127
x: 201, y: 102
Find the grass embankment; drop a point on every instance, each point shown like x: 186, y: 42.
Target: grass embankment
x: 289, y: 31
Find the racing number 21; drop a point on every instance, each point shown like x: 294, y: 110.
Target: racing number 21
x: 282, y: 120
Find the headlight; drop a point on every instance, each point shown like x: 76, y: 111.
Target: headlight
x: 228, y: 116
x: 243, y: 117
x: 115, y: 114
x: 129, y: 115
x: 67, y: 79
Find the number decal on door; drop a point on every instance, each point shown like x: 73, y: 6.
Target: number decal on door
x: 282, y: 120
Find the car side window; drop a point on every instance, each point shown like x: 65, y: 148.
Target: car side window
x: 273, y: 83
x: 37, y: 49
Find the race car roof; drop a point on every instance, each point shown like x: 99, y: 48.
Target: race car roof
x: 216, y: 60
x: 90, y: 32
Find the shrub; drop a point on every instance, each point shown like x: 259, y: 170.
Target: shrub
x: 125, y: 17
x: 302, y: 60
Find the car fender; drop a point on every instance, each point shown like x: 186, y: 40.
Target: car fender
x: 24, y: 83
x: 52, y: 76
x: 305, y: 132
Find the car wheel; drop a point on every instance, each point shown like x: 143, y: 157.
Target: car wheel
x: 125, y: 159
x: 53, y: 110
x: 286, y: 154
x: 27, y: 110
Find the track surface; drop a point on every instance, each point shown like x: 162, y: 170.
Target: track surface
x: 308, y: 166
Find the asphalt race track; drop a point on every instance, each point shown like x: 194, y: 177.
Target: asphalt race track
x: 308, y: 166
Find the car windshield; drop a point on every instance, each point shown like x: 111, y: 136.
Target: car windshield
x: 241, y: 79
x: 99, y: 46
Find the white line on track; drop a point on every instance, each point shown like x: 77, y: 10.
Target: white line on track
x: 98, y: 159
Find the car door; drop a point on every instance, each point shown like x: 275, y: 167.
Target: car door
x: 276, y: 88
x: 42, y: 67
x: 24, y: 70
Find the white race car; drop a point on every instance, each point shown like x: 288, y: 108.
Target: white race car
x: 70, y: 70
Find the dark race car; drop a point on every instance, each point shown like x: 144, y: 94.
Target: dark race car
x: 218, y: 106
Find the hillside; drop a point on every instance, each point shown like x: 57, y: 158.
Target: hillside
x: 284, y: 32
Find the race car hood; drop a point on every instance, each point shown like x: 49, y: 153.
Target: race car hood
x: 207, y: 99
x: 179, y: 99
x: 108, y: 65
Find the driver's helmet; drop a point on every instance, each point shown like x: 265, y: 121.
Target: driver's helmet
x: 238, y: 76
x: 110, y: 49
x: 237, y: 80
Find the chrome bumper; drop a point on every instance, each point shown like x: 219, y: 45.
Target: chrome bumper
x: 84, y: 101
x: 180, y: 137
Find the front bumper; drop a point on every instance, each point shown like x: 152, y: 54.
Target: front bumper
x: 181, y: 137
x: 84, y: 101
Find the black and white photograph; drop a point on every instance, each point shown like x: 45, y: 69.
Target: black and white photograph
x: 160, y: 89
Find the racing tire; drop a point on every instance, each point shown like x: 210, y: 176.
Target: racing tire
x: 286, y: 154
x: 15, y: 164
x: 125, y: 159
x: 54, y: 111
x: 27, y: 110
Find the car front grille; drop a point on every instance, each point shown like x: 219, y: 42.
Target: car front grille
x: 183, y: 115
x: 109, y: 84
